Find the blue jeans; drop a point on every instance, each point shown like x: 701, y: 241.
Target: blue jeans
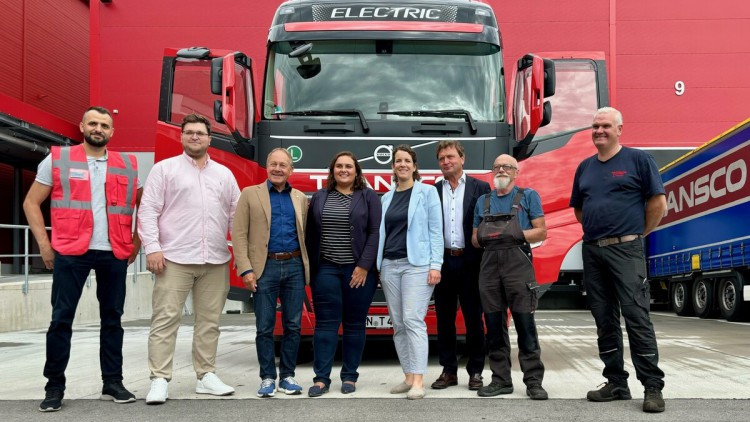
x: 283, y: 280
x: 68, y: 279
x: 335, y: 302
x: 408, y: 294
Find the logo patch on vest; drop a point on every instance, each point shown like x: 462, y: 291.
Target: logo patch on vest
x: 79, y: 174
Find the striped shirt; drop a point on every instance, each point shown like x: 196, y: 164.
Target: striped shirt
x: 335, y: 231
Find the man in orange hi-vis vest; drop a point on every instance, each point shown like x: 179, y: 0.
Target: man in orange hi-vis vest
x: 93, y: 195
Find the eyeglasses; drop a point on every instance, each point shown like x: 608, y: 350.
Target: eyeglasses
x: 505, y: 167
x: 190, y: 134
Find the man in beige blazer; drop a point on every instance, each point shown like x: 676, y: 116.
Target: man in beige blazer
x: 268, y: 238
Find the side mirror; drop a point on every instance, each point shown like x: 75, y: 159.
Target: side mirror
x: 549, y: 78
x: 217, y: 66
x: 534, y: 80
x: 546, y: 114
x: 217, y: 112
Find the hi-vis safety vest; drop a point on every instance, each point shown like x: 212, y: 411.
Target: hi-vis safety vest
x: 72, y: 216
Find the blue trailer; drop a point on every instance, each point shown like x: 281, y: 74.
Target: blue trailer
x: 699, y: 256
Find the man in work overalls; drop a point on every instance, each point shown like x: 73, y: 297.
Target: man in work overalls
x: 506, y: 221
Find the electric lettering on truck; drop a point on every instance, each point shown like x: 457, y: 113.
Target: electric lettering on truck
x: 366, y: 76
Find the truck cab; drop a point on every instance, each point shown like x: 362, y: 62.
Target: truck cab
x: 366, y: 76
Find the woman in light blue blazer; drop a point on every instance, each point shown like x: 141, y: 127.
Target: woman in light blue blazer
x: 410, y: 255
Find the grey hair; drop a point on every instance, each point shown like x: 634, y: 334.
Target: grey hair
x: 616, y: 112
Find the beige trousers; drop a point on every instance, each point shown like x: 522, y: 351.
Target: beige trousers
x: 209, y: 284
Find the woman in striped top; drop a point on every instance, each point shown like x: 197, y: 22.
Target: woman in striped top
x: 342, y: 236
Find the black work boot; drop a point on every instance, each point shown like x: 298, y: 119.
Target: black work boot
x: 609, y: 392
x: 653, y: 402
x: 493, y: 389
x: 536, y: 392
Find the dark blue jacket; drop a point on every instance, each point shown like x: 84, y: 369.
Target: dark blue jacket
x: 364, y: 221
x: 472, y: 191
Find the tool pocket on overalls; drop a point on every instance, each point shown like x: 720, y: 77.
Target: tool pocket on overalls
x: 526, y: 252
x: 533, y: 287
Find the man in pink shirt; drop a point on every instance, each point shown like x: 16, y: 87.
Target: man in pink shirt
x: 185, y: 215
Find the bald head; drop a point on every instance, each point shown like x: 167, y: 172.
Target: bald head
x: 505, y: 169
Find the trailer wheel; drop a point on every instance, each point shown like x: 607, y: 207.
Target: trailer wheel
x: 730, y: 299
x: 682, y: 305
x: 703, y: 298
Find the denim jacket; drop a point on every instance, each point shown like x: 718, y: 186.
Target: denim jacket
x: 424, y: 236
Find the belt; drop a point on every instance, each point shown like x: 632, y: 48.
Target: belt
x: 283, y: 256
x: 607, y: 241
x: 454, y: 251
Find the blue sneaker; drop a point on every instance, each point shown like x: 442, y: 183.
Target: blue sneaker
x: 267, y: 388
x: 289, y: 386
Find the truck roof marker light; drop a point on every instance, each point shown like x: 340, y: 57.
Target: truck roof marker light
x: 286, y: 10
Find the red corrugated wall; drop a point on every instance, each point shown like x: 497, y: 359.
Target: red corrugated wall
x: 649, y: 45
x: 45, y: 56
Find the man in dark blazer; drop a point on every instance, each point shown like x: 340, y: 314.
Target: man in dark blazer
x: 458, y: 195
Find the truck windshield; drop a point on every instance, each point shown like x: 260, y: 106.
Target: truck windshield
x: 377, y: 76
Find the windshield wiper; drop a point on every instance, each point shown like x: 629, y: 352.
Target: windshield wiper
x: 349, y: 112
x: 458, y: 113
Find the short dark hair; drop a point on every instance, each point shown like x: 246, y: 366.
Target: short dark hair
x: 196, y: 118
x: 407, y: 149
x: 359, y: 180
x: 98, y: 109
x: 448, y: 144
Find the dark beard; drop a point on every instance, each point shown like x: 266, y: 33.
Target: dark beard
x: 94, y: 142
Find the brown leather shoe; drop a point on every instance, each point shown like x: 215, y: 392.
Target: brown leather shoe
x: 445, y: 381
x: 475, y: 382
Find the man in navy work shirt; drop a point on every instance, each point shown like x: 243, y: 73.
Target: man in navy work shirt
x: 618, y: 197
x: 506, y: 221
x: 268, y: 237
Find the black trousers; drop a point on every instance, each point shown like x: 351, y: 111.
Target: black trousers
x: 507, y: 281
x: 615, y: 281
x: 458, y: 284
x: 68, y: 279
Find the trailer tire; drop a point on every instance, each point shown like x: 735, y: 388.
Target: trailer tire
x: 680, y: 298
x: 730, y: 299
x: 703, y: 298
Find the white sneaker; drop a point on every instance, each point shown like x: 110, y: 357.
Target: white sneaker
x: 211, y: 384
x: 159, y: 391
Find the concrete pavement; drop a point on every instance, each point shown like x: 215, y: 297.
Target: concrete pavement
x: 703, y: 359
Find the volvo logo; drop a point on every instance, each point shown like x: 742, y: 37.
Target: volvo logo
x: 383, y: 154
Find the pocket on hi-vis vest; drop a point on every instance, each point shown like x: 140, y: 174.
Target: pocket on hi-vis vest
x: 69, y: 225
x: 126, y: 228
x: 79, y: 174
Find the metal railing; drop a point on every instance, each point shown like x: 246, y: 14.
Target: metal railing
x: 26, y: 255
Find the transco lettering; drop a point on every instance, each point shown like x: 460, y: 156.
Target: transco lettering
x: 378, y: 182
x: 719, y: 183
x: 370, y: 12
